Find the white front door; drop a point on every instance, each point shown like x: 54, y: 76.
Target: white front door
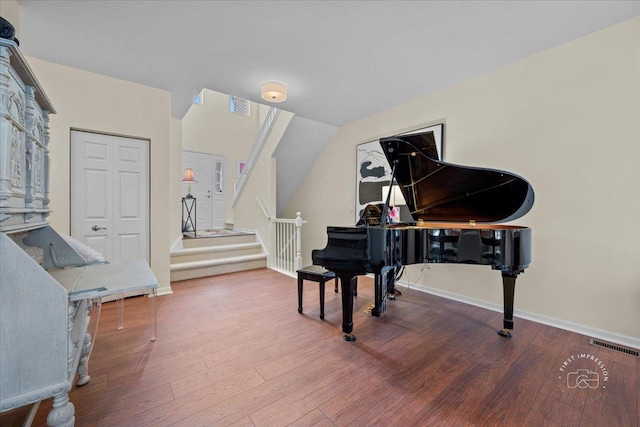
x: 202, y: 188
x: 110, y: 195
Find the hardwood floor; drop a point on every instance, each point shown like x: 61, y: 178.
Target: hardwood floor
x: 232, y: 350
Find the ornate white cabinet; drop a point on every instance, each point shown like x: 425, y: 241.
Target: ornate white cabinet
x: 42, y: 333
x: 47, y: 290
x: 24, y: 137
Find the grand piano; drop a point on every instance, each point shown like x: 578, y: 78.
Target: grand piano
x: 456, y: 213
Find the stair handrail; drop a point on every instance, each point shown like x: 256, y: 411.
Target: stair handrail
x: 261, y: 138
x: 265, y: 212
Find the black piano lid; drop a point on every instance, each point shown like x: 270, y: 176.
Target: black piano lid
x: 438, y: 191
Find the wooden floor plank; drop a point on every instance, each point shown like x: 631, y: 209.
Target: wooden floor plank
x: 180, y: 409
x: 232, y: 350
x: 313, y: 418
x: 258, y: 397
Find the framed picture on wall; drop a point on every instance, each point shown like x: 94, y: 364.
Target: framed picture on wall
x: 373, y: 171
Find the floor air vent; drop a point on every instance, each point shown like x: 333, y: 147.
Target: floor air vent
x: 615, y: 347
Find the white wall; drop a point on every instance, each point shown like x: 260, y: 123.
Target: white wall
x: 211, y: 128
x: 302, y: 143
x: 565, y: 119
x: 93, y: 102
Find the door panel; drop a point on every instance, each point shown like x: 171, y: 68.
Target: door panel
x: 130, y: 205
x: 110, y: 195
x: 96, y: 187
x: 129, y: 245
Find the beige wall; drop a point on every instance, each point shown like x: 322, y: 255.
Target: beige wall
x: 10, y: 10
x: 93, y: 102
x: 565, y: 119
x: 175, y: 166
x: 211, y: 128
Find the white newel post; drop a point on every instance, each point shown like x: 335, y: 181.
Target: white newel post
x: 298, y: 241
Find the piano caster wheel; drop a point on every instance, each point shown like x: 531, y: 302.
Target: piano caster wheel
x: 299, y: 310
x: 392, y: 297
x: 505, y: 333
x: 322, y: 317
x: 349, y: 338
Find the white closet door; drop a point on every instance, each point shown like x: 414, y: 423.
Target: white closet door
x: 110, y: 195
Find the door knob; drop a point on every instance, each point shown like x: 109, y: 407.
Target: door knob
x: 96, y: 228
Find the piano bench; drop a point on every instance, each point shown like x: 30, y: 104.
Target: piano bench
x: 318, y: 274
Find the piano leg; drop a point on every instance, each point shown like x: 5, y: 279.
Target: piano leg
x: 347, y: 286
x: 384, y: 285
x: 379, y: 295
x: 508, y: 288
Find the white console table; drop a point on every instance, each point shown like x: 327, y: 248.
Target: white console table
x: 96, y: 281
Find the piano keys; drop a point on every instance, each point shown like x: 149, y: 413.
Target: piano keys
x: 456, y: 212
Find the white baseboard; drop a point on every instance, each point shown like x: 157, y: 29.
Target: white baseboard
x: 546, y: 320
x: 281, y: 271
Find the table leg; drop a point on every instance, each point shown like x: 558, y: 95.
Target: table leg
x: 120, y: 307
x: 153, y: 294
x: 89, y: 341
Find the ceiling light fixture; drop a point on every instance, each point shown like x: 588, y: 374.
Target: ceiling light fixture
x: 273, y: 92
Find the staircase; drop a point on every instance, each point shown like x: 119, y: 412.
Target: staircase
x: 210, y: 256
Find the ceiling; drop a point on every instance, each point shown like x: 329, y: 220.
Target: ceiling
x: 341, y: 60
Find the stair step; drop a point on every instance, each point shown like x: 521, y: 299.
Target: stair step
x: 215, y: 252
x: 218, y: 240
x: 194, y: 269
x: 222, y: 261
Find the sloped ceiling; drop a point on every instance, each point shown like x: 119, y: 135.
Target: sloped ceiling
x: 341, y: 60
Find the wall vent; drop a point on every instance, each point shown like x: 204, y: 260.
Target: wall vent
x: 614, y: 347
x: 239, y: 105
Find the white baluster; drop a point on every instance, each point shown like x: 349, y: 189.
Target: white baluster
x: 298, y: 263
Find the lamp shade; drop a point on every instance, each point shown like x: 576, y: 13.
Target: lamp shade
x: 273, y: 92
x: 188, y: 175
